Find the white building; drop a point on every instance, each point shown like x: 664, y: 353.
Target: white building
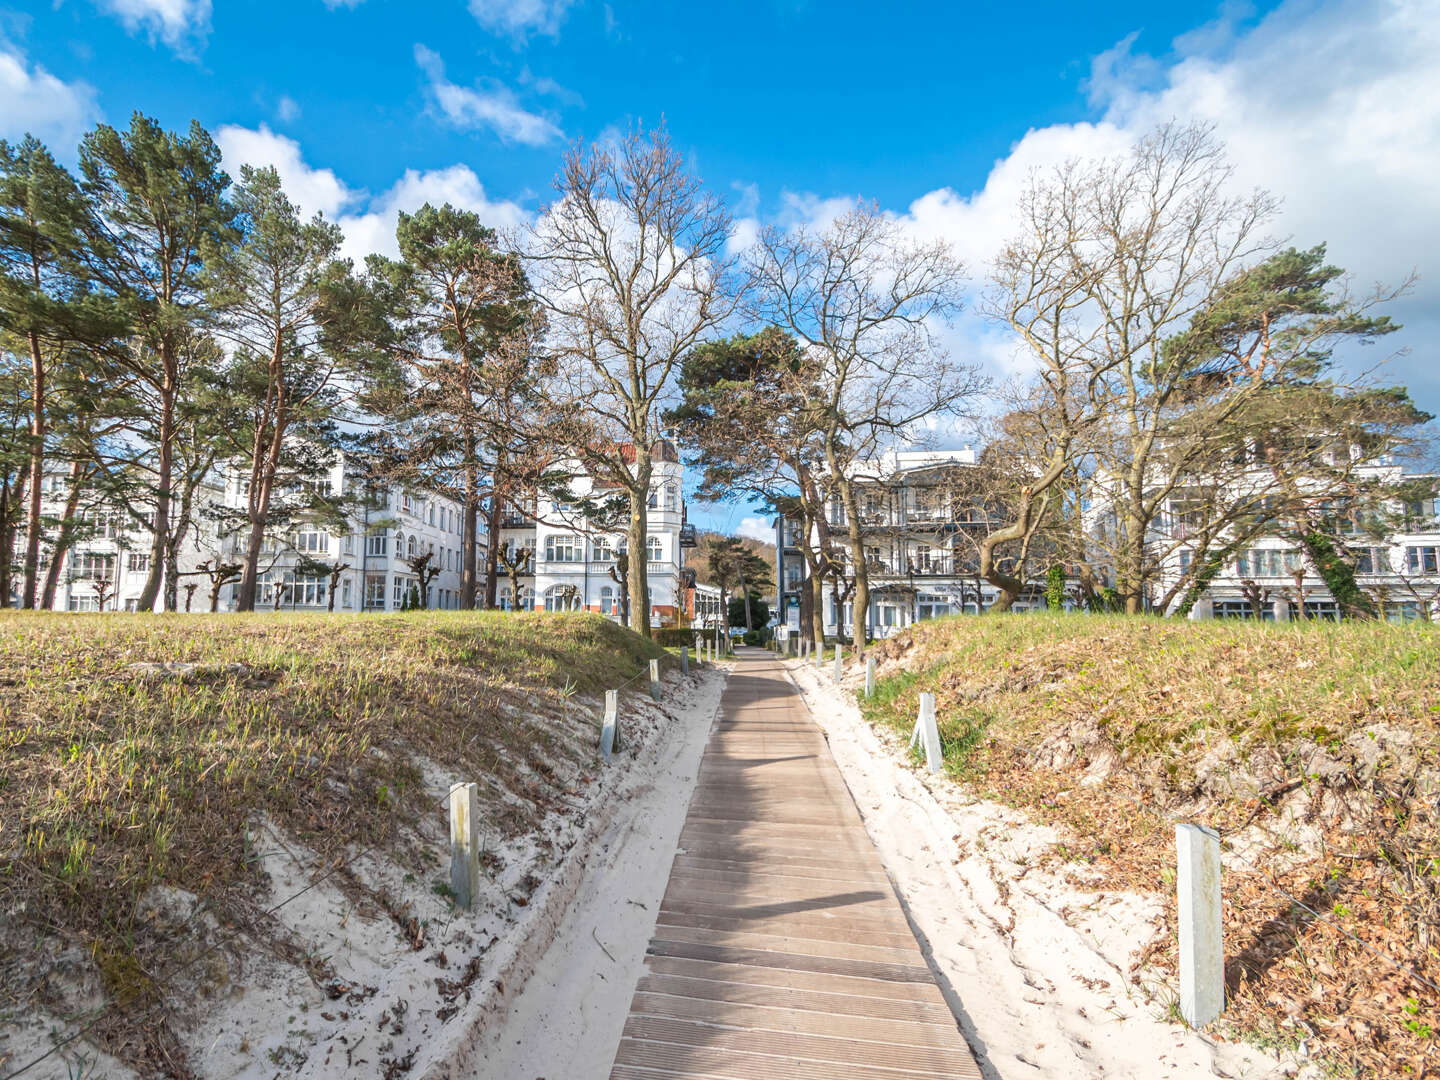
x: 569, y: 568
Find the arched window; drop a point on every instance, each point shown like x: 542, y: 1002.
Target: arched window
x: 653, y: 549
x: 414, y: 548
x: 562, y: 598
x: 608, y: 605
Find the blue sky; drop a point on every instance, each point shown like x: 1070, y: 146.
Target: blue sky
x: 785, y: 108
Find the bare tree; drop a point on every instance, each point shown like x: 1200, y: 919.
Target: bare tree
x: 866, y: 302
x: 630, y: 260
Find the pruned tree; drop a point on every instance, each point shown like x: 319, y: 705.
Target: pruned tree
x: 866, y: 302
x: 40, y: 300
x: 462, y: 324
x: 630, y: 260
x: 424, y: 568
x: 283, y: 302
x: 155, y: 202
x: 219, y: 573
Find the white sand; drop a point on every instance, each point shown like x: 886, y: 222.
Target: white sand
x: 1034, y: 968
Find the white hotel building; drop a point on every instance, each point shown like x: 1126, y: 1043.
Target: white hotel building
x: 569, y: 568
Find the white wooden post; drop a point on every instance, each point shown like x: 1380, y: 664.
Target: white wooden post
x: 464, y: 843
x: 684, y: 660
x: 839, y: 660
x: 1202, y: 956
x: 819, y: 655
x: 869, y: 676
x: 926, y: 730
x: 655, y: 679
x: 610, y: 729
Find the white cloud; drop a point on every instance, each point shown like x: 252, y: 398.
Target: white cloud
x: 313, y: 190
x: 335, y: 5
x: 181, y: 24
x: 1331, y: 105
x: 492, y: 106
x: 756, y: 528
x: 33, y: 101
x: 520, y: 18
x: 368, y: 223
x: 374, y: 230
x: 287, y: 109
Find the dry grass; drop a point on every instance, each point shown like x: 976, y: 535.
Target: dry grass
x: 116, y: 777
x: 1311, y: 747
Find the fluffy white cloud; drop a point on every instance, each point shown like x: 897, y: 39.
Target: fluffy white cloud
x: 492, y: 106
x: 313, y: 190
x: 1330, y: 105
x: 368, y: 222
x: 756, y: 528
x: 181, y: 24
x: 521, y: 18
x: 287, y: 109
x: 374, y: 230
x: 33, y: 101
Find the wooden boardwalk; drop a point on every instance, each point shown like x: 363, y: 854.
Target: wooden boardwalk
x: 780, y: 950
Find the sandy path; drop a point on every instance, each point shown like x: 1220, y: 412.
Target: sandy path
x: 1034, y: 967
x: 566, y: 1023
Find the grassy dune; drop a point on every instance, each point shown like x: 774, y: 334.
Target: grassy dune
x: 1314, y: 747
x: 117, y: 774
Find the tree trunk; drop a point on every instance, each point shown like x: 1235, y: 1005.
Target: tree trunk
x: 637, y: 534
x: 63, y: 538
x: 862, y: 572
x: 492, y: 551
x: 165, y: 467
x: 37, y: 470
x: 469, y: 530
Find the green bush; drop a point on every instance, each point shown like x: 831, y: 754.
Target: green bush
x: 755, y: 637
x: 673, y: 637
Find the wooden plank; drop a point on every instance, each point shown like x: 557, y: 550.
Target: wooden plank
x: 780, y: 951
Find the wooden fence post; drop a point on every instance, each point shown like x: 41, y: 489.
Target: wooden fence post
x: 464, y: 843
x: 839, y: 661
x: 1202, y: 956
x: 610, y: 728
x: 684, y: 660
x: 869, y: 676
x: 927, y: 730
x: 655, y: 679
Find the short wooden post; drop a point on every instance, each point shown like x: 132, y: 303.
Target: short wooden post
x: 839, y: 660
x: 655, y: 679
x: 1202, y: 957
x: 869, y: 676
x: 464, y: 843
x: 927, y: 731
x: 684, y: 660
x: 610, y: 729
x: 819, y: 655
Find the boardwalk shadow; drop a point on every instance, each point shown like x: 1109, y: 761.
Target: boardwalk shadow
x: 818, y: 903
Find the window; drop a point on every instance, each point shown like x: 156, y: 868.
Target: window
x: 922, y: 556
x: 1423, y: 560
x: 345, y: 593
x: 101, y: 524
x: 509, y: 605
x: 374, y: 592
x: 400, y: 589
x: 654, y: 501
x: 604, y: 552
x: 432, y: 514
x: 1405, y: 611
x: 1375, y: 560
x: 1186, y: 557
x: 1322, y: 609
x: 672, y: 497
x: 408, y: 504
x: 414, y: 547
x: 562, y: 598
x: 349, y: 544
x: 312, y: 542
x: 82, y: 603
x: 562, y: 549
x: 1267, y: 562
x: 608, y: 603
x: 93, y: 566
x: 138, y: 562
x: 377, y: 544
x: 654, y: 550
x: 306, y: 589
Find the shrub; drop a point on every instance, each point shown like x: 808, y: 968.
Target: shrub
x: 755, y: 637
x: 673, y: 637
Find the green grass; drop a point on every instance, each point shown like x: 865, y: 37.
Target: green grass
x: 114, y: 779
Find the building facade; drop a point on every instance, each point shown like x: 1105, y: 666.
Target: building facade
x: 366, y: 561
